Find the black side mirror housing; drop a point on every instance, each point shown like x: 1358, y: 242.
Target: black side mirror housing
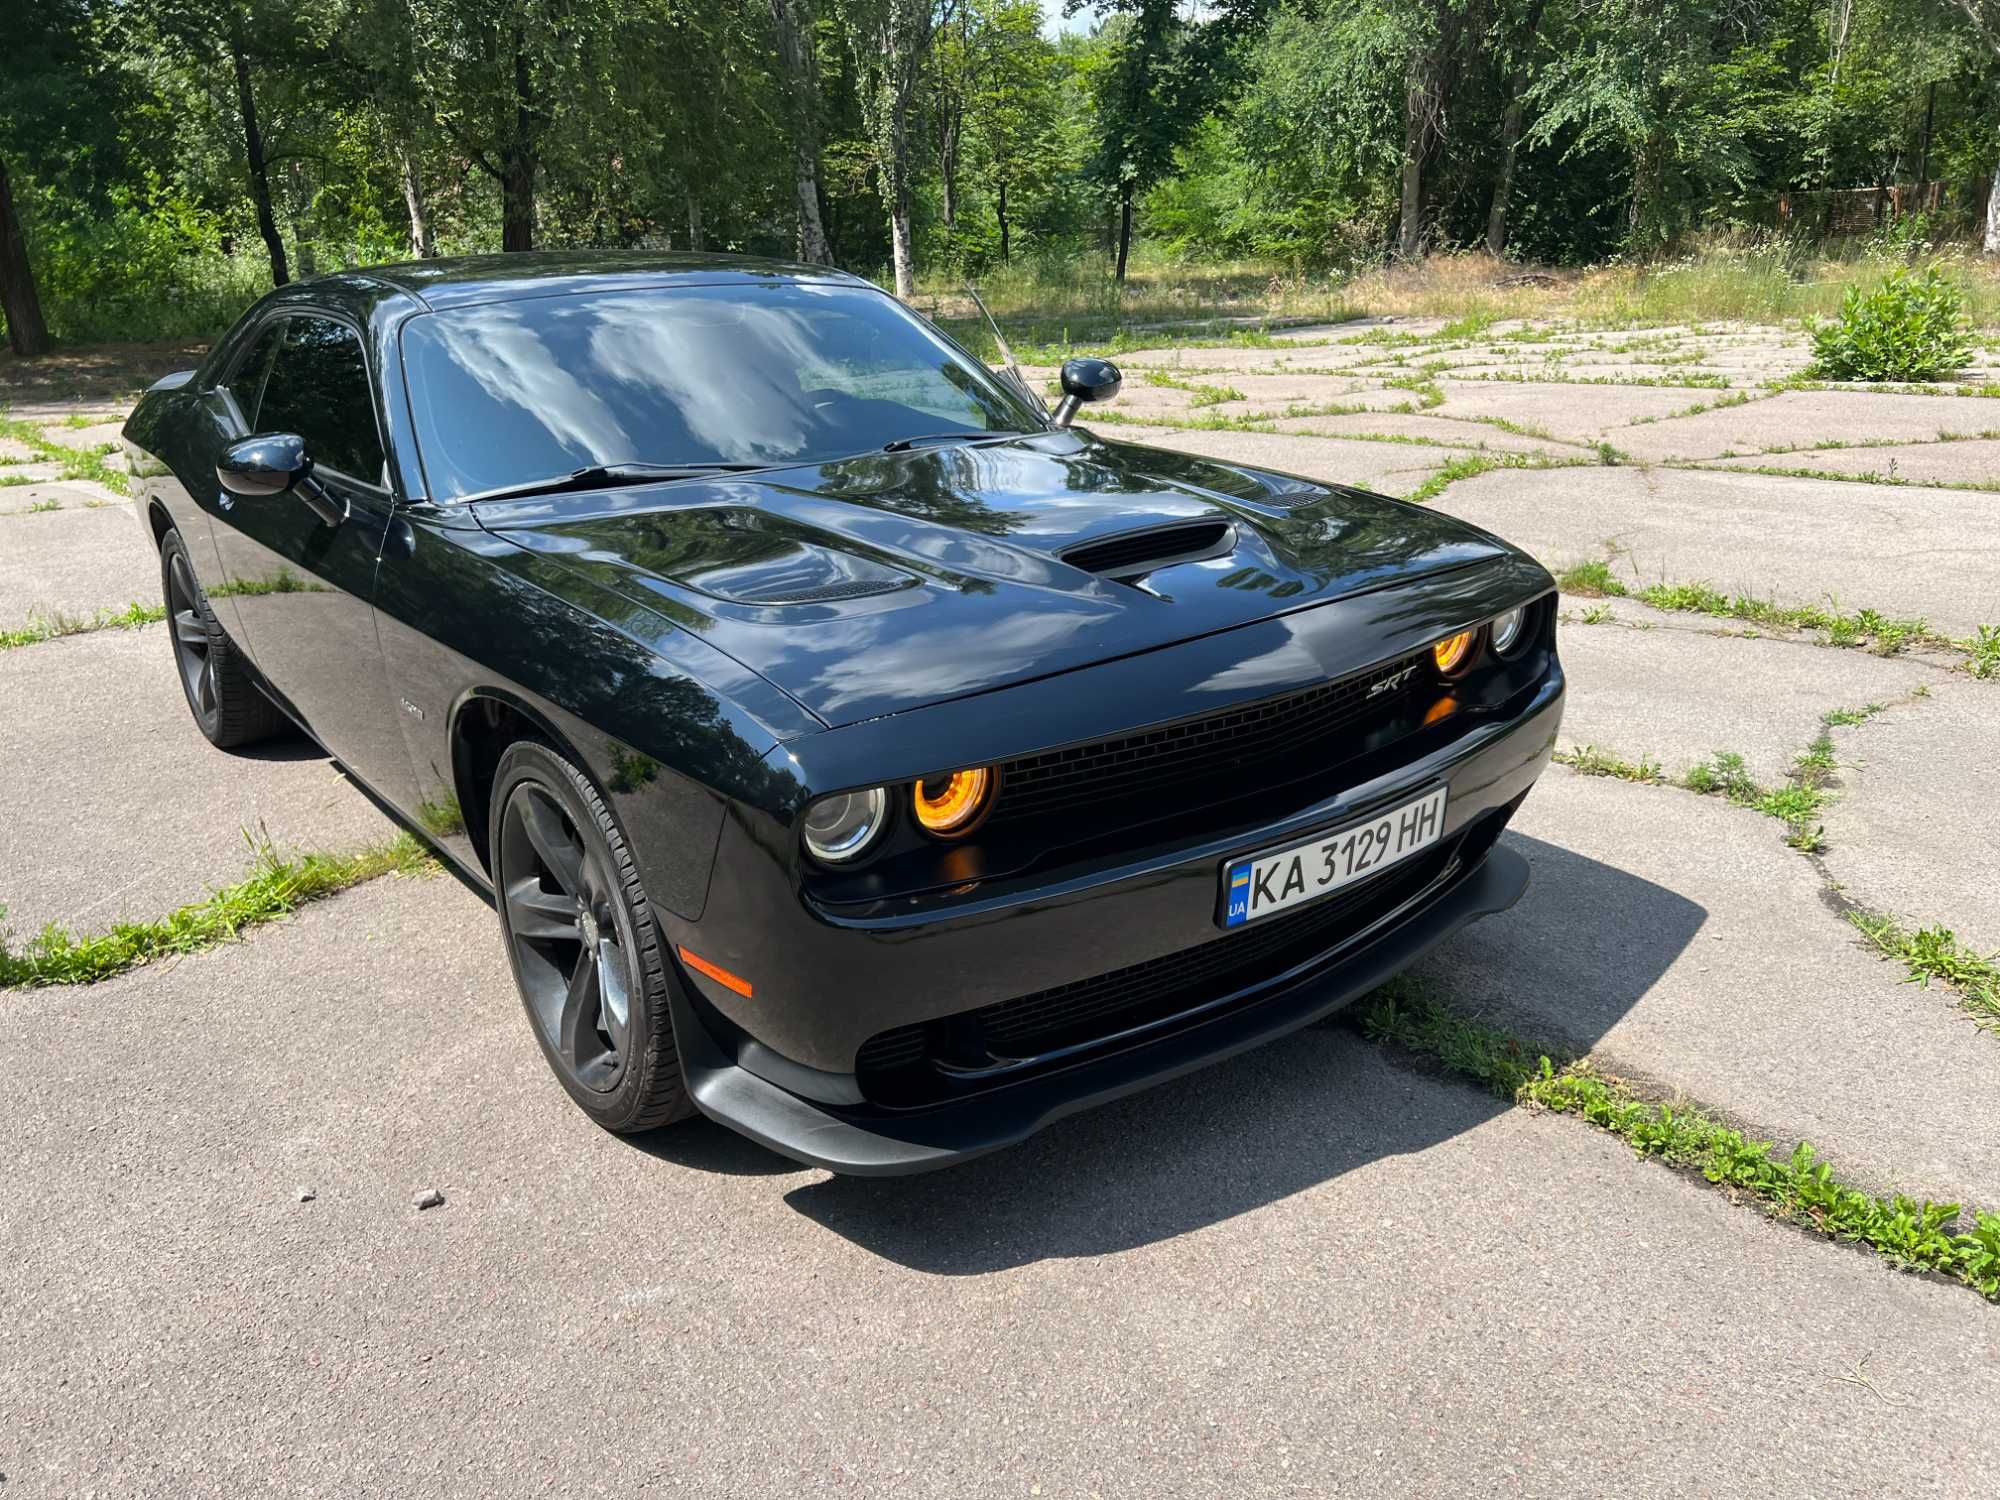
x: 274, y: 463
x: 1086, y: 379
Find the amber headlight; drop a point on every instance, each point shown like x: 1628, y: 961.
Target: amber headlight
x: 1453, y: 652
x: 841, y: 828
x: 951, y: 805
x: 1507, y: 630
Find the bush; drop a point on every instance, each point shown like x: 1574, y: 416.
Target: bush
x: 1912, y: 327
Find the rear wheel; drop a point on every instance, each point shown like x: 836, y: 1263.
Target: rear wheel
x: 227, y: 706
x: 588, y: 958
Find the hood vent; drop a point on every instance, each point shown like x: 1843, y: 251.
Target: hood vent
x: 1131, y: 554
x: 824, y: 593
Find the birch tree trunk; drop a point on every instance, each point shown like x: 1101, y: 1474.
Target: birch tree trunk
x: 1992, y: 244
x: 422, y: 245
x: 793, y: 24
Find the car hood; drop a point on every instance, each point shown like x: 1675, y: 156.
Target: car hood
x: 884, y: 582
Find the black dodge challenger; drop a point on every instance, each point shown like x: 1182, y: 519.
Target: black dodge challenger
x: 854, y: 751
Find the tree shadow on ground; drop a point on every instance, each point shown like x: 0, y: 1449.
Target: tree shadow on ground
x: 1246, y: 1133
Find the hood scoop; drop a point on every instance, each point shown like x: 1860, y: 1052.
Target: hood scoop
x: 1133, y: 554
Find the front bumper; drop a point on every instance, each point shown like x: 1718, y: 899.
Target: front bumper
x: 885, y: 1144
x: 782, y: 1070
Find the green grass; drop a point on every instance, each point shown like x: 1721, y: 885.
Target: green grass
x: 1427, y: 392
x: 1797, y: 804
x: 1204, y: 395
x: 51, y: 625
x: 1936, y: 953
x: 1982, y: 652
x: 1591, y: 580
x: 276, y: 885
x: 1588, y: 760
x: 85, y: 464
x: 1797, y: 1188
x: 1466, y: 466
x: 1880, y: 633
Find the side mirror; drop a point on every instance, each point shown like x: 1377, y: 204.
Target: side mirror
x: 274, y: 463
x: 1086, y: 379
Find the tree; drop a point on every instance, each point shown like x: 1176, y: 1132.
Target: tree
x: 1166, y: 74
x: 1985, y: 18
x: 58, y: 101
x: 1519, y: 29
x: 798, y: 62
x: 891, y: 40
x: 244, y: 34
x: 1012, y: 105
x: 498, y: 76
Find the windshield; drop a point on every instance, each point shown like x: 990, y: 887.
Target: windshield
x: 770, y: 372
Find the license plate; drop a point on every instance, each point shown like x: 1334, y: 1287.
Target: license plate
x: 1266, y: 883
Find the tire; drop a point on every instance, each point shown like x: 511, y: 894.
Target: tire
x: 228, y: 706
x: 566, y: 888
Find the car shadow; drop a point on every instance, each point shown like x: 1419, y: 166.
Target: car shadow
x: 1260, y: 1127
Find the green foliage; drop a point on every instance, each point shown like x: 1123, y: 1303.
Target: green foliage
x: 49, y: 625
x: 1983, y: 652
x: 1936, y: 953
x: 1798, y: 1187
x: 1880, y: 633
x: 1912, y: 327
x: 276, y: 886
x: 1588, y: 760
x: 1591, y: 580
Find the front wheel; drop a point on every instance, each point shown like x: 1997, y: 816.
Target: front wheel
x: 588, y: 958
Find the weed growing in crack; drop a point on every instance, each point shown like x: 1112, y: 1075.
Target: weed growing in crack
x: 1936, y: 953
x: 1982, y: 652
x: 54, y: 624
x: 276, y: 885
x: 1204, y: 395
x: 1883, y: 635
x: 1799, y: 1189
x: 1591, y: 580
x: 1588, y: 760
x: 1723, y: 774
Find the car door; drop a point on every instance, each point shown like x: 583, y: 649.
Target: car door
x: 301, y: 589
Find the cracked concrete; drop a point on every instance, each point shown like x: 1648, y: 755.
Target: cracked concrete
x: 1912, y: 833
x: 101, y: 826
x: 1906, y: 552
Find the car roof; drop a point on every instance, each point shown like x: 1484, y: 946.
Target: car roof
x: 457, y: 280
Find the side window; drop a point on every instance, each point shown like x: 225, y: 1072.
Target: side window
x: 318, y: 388
x: 246, y: 382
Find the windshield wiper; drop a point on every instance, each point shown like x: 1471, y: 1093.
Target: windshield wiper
x: 606, y: 476
x: 903, y: 445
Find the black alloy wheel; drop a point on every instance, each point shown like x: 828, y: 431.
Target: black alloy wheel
x: 587, y: 957
x: 228, y: 707
x: 192, y: 655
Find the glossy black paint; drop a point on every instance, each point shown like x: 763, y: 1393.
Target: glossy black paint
x: 657, y: 634
x: 257, y: 468
x: 1086, y: 379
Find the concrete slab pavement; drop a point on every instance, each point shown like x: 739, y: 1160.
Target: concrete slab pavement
x: 1578, y: 411
x: 1678, y: 696
x: 1912, y: 832
x: 1682, y: 940
x: 1969, y: 461
x: 76, y: 560
x: 1904, y: 551
x: 113, y: 806
x: 1802, y: 419
x: 1392, y: 468
x: 1305, y: 1272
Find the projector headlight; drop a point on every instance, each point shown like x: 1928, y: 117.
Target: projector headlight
x: 841, y: 828
x: 1507, y: 630
x: 952, y: 805
x: 1453, y: 652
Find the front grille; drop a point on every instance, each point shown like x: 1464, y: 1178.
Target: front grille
x: 1245, y: 742
x: 1106, y: 1004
